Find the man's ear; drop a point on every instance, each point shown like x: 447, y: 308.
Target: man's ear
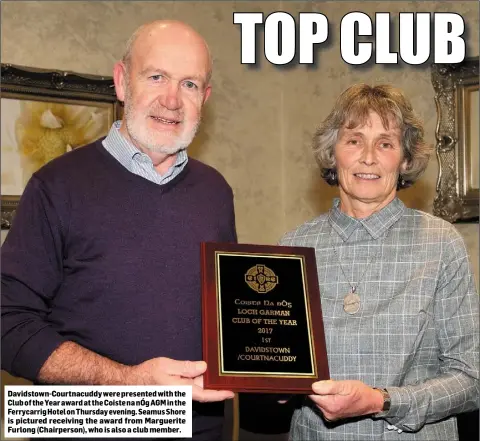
x: 120, y: 79
x: 208, y: 91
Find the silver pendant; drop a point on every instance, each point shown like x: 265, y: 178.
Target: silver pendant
x: 351, y: 303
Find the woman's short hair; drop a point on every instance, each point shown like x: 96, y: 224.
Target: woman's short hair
x: 352, y: 109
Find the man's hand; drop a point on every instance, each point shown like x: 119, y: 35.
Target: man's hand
x: 168, y: 372
x: 346, y: 399
x: 71, y: 363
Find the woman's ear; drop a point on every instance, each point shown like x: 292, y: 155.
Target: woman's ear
x: 404, y: 166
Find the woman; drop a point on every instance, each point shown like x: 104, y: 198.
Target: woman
x: 398, y: 297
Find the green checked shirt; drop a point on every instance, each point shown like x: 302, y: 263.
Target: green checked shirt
x: 416, y: 333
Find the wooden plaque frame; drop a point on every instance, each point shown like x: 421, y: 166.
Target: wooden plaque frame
x: 225, y: 284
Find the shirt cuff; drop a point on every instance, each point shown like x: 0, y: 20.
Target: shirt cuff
x: 399, y: 403
x: 392, y: 427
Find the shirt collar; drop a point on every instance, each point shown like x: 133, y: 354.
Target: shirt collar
x: 376, y: 224
x: 125, y: 152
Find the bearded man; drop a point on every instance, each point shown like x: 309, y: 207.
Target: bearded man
x: 101, y: 268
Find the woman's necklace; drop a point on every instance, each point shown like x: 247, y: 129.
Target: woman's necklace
x: 351, y: 302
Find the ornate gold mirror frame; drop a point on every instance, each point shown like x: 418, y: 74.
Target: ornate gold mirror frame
x: 457, y: 140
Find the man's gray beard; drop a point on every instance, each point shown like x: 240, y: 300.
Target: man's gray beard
x: 180, y: 143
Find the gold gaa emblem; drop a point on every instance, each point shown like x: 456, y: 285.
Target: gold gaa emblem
x: 261, y: 279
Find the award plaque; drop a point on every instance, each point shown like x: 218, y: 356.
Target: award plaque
x: 261, y: 319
